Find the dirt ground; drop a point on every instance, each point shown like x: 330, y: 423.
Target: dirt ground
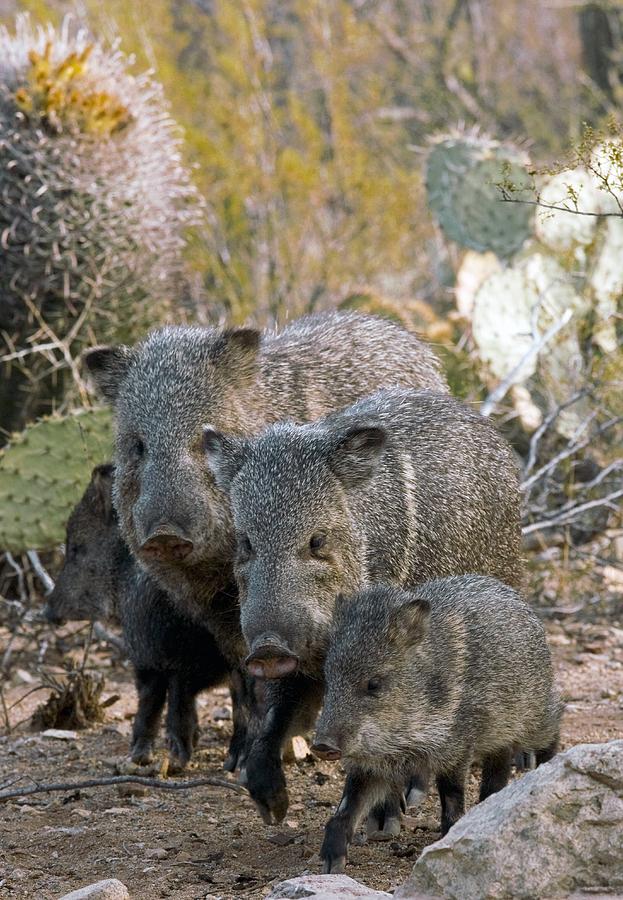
x: 209, y: 842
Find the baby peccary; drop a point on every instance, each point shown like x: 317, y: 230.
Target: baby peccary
x: 401, y: 487
x: 173, y: 658
x: 425, y: 682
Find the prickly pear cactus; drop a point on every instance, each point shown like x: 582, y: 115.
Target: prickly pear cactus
x: 43, y: 473
x: 463, y: 175
x: 574, y: 190
x: 95, y: 203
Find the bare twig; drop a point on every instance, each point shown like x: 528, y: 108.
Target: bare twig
x: 570, y: 514
x: 212, y: 781
x: 506, y: 198
x: 44, y: 577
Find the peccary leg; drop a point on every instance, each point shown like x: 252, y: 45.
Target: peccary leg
x: 384, y: 820
x: 417, y: 789
x: 451, y: 787
x: 248, y: 711
x: 548, y: 752
x: 496, y: 770
x: 152, y: 691
x: 182, y: 722
x: 360, y: 792
x: 288, y: 700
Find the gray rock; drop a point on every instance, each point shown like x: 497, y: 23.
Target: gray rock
x: 557, y: 830
x: 323, y: 887
x: 109, y: 889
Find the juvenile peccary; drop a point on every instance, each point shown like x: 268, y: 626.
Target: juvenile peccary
x: 427, y: 681
x: 165, y: 389
x: 400, y: 487
x: 173, y: 658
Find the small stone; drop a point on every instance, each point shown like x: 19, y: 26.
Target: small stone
x: 131, y: 790
x: 221, y: 714
x: 58, y: 734
x: 156, y: 853
x: 21, y: 675
x: 327, y: 887
x: 300, y: 748
x: 83, y: 813
x: 109, y: 889
x: 281, y: 839
x: 117, y: 811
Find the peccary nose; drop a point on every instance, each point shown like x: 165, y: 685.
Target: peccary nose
x: 167, y: 542
x: 324, y: 748
x: 271, y: 658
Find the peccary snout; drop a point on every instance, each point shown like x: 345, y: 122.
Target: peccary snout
x: 270, y: 657
x: 167, y: 541
x: 324, y: 747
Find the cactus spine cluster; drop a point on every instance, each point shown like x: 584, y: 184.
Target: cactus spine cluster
x: 43, y: 473
x: 95, y: 203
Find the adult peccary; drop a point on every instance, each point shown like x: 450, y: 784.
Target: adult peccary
x: 173, y: 657
x: 403, y: 486
x: 428, y: 681
x: 165, y: 389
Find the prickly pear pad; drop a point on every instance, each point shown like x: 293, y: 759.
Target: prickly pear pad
x: 43, y: 472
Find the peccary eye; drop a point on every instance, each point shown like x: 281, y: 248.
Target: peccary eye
x: 374, y: 686
x: 317, y: 542
x: 139, y: 448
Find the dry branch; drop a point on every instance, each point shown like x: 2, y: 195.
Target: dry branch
x: 212, y: 781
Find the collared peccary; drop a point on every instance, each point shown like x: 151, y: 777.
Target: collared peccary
x: 427, y: 681
x: 403, y: 486
x: 173, y: 657
x: 165, y: 389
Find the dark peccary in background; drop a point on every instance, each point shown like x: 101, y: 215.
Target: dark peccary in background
x: 166, y: 388
x: 403, y: 486
x: 428, y: 681
x: 173, y: 658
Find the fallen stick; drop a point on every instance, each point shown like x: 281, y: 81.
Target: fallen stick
x: 124, y: 779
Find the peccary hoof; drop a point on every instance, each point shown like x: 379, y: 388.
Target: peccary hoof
x: 179, y: 753
x: 142, y: 753
x: 267, y: 787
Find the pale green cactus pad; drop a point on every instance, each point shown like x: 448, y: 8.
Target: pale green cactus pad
x: 574, y: 190
x: 463, y: 175
x: 43, y: 473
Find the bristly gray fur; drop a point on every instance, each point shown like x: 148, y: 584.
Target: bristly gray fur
x: 166, y: 388
x: 403, y: 486
x: 464, y: 672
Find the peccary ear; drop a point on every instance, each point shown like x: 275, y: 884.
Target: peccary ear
x: 237, y: 349
x: 223, y: 454
x: 101, y: 479
x: 107, y: 367
x: 357, y: 454
x: 412, y: 618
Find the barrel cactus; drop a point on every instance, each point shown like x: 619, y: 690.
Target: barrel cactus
x: 464, y: 174
x: 43, y: 473
x: 96, y: 204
